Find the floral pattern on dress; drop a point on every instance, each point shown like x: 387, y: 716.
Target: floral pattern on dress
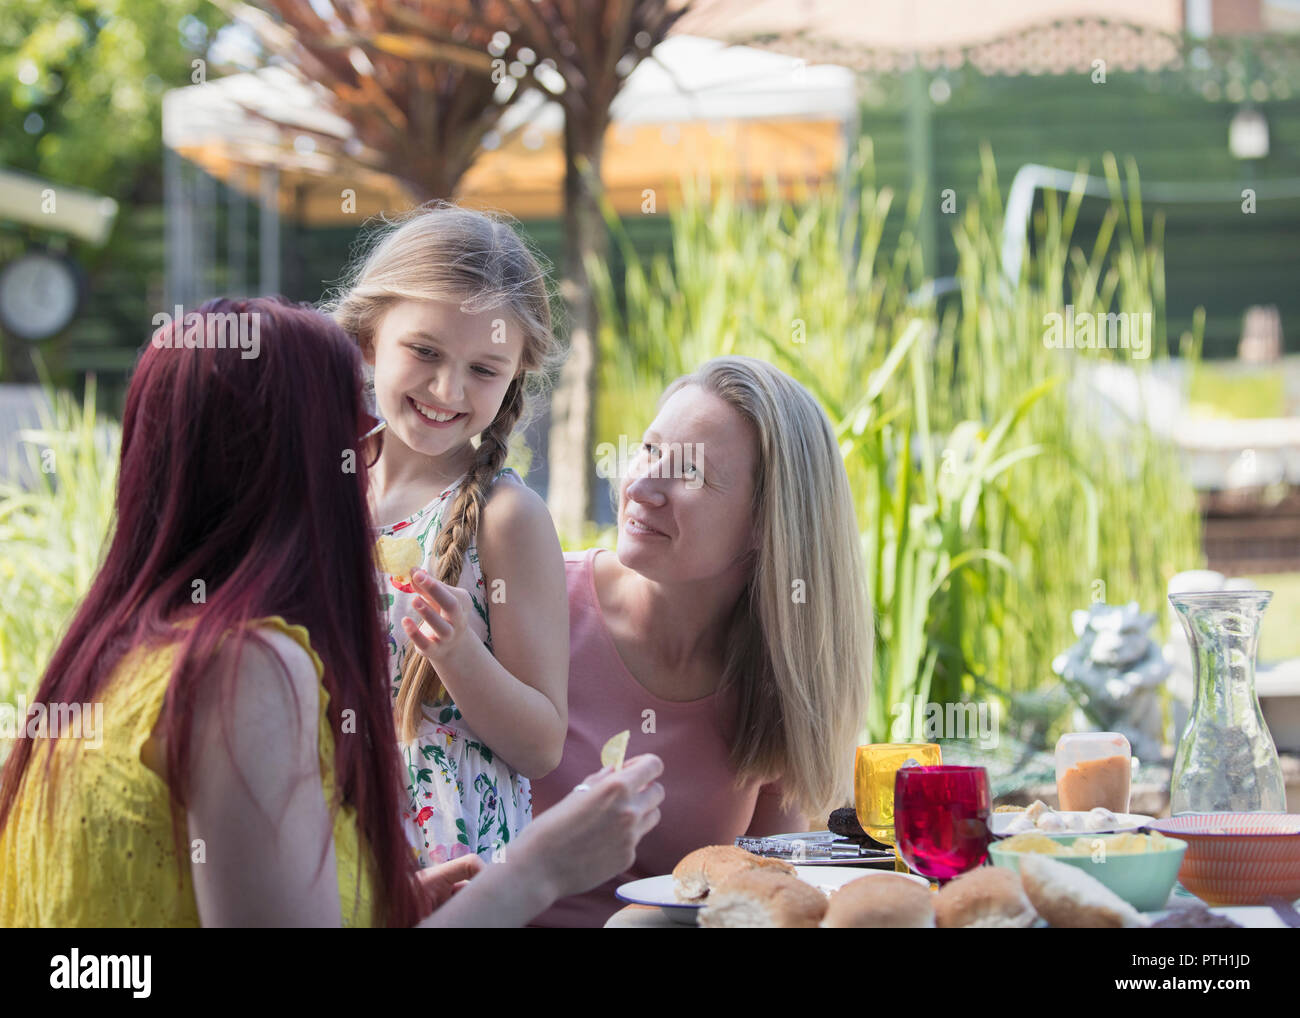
x: 460, y: 798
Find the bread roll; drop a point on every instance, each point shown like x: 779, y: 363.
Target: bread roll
x: 986, y: 897
x: 884, y: 900
x: 1068, y: 897
x: 763, y: 898
x: 706, y: 867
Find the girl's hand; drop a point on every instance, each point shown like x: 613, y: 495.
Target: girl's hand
x: 444, y: 636
x: 591, y: 835
x: 436, y: 884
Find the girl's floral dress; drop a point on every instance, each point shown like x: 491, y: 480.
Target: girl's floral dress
x: 460, y: 798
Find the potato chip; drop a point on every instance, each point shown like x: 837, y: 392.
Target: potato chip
x: 1033, y: 842
x: 398, y: 557
x: 612, y: 753
x: 1122, y: 844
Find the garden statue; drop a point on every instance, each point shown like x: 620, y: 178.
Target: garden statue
x: 1115, y: 672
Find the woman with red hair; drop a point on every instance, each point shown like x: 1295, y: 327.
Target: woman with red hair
x: 248, y: 773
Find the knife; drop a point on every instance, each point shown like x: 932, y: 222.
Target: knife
x: 799, y: 850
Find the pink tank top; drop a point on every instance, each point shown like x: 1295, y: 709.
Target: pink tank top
x: 703, y: 804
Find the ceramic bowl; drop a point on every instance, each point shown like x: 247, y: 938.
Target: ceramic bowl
x: 1143, y: 879
x: 1238, y: 858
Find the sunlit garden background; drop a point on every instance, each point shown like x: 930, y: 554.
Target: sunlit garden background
x: 892, y: 218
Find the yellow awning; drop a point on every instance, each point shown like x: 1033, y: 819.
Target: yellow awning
x: 698, y: 109
x: 643, y: 170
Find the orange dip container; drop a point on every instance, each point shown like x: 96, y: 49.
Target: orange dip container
x: 1093, y: 769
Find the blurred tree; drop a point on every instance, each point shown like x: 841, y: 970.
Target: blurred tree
x: 423, y: 82
x: 81, y: 82
x: 414, y: 79
x: 583, y: 52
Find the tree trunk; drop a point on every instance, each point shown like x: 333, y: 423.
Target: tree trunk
x: 573, y: 403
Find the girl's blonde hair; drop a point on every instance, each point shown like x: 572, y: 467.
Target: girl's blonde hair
x: 441, y: 252
x: 799, y: 654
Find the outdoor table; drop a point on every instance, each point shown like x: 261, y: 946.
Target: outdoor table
x: 647, y: 917
x: 641, y: 917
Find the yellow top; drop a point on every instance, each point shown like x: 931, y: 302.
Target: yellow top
x: 106, y: 856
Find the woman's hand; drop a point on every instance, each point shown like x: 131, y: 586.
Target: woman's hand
x: 436, y: 884
x: 445, y: 636
x: 591, y: 834
x: 583, y: 840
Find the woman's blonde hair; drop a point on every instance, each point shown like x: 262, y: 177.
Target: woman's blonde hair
x: 799, y: 654
x: 441, y: 252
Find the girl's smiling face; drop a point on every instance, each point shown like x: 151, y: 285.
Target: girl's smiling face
x: 441, y: 373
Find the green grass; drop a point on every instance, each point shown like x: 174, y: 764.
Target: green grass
x: 53, y: 533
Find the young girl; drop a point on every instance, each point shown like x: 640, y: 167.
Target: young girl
x: 450, y: 310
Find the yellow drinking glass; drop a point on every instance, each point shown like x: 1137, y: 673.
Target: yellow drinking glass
x: 874, y: 769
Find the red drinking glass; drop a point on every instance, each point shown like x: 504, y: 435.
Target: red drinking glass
x: 941, y: 819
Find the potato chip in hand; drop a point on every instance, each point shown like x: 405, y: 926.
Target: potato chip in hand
x: 611, y: 755
x: 398, y: 556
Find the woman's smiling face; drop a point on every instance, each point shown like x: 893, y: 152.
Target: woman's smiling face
x: 686, y: 506
x: 432, y: 360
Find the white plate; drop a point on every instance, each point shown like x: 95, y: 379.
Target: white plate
x: 1123, y: 822
x: 658, y: 891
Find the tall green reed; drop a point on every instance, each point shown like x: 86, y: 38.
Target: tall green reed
x: 52, y: 528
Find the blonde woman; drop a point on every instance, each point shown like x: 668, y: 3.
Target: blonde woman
x: 731, y: 631
x: 450, y: 310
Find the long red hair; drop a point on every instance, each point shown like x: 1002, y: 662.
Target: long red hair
x: 243, y: 472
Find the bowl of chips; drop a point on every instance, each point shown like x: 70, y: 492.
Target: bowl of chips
x: 1140, y: 868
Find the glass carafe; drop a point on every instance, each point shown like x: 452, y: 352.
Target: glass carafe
x: 1226, y: 760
